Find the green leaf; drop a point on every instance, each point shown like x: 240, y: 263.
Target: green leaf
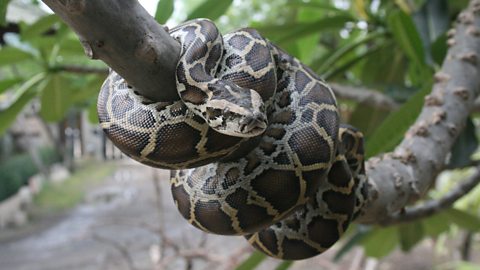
x: 380, y: 242
x: 343, y: 67
x: 386, y: 66
x: 306, y: 29
x: 10, y: 55
x: 252, y: 261
x: 38, y: 28
x: 403, y: 29
x: 359, y: 235
x: 467, y: 266
x: 439, y: 49
x: 284, y: 265
x: 464, y: 147
x: 164, y: 11
x: 346, y: 49
x: 89, y: 90
x: 367, y: 118
x: 464, y: 219
x: 56, y: 98
x: 210, y: 9
x: 392, y: 130
x: 3, y: 11
x: 71, y: 47
x: 410, y: 234
x: 436, y: 224
x: 8, y: 83
x: 314, y: 5
x: 9, y: 115
x: 92, y: 113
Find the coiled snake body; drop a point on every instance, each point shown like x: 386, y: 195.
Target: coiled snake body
x: 255, y: 142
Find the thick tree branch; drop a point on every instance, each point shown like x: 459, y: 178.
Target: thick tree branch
x: 123, y: 35
x: 432, y: 207
x: 405, y: 175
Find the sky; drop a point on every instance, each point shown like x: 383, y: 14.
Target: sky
x: 149, y: 5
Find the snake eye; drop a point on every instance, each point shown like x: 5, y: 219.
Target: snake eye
x: 213, y: 112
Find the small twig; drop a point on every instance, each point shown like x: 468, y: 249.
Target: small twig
x: 432, y: 207
x: 125, y: 254
x: 82, y: 69
x: 466, y: 246
x: 366, y: 96
x: 190, y: 254
x: 235, y: 258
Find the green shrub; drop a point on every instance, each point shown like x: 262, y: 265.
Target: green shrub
x: 15, y: 171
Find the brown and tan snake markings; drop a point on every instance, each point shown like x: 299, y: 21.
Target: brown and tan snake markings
x: 254, y: 142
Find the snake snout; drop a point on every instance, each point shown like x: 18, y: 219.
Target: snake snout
x: 254, y: 124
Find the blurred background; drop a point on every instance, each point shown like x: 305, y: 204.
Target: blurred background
x: 70, y: 200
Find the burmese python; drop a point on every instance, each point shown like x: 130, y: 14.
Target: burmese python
x: 255, y: 142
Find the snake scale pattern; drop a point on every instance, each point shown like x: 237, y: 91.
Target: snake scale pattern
x: 254, y: 142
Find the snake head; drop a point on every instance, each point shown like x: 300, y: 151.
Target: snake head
x: 241, y: 114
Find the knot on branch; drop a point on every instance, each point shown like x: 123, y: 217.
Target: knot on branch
x: 470, y: 57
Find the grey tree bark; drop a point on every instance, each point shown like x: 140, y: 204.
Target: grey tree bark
x: 123, y: 35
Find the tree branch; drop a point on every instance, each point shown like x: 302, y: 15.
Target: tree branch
x: 432, y: 207
x: 366, y: 96
x: 123, y: 35
x: 81, y: 69
x: 405, y: 175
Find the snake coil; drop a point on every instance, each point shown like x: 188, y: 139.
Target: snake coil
x: 254, y: 143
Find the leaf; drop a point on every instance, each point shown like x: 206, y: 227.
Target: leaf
x: 10, y: 55
x: 40, y: 27
x: 360, y: 7
x: 464, y: 219
x: 164, y: 11
x: 210, y: 9
x: 386, y: 66
x: 55, y: 98
x: 467, y: 266
x: 346, y: 49
x: 92, y: 113
x: 3, y: 12
x: 252, y: 261
x: 435, y: 225
x: 71, y: 46
x: 284, y: 265
x: 403, y: 29
x: 361, y: 232
x: 366, y: 118
x: 465, y: 145
x: 380, y: 242
x: 343, y: 67
x: 89, y: 90
x: 9, y: 115
x: 391, y: 131
x: 22, y: 96
x: 435, y: 19
x: 439, y: 49
x: 410, y: 234
x: 314, y: 5
x: 305, y: 29
x: 8, y: 83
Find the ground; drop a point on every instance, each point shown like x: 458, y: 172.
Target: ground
x: 122, y: 223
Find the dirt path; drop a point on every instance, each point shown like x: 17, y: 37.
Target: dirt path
x: 115, y: 228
